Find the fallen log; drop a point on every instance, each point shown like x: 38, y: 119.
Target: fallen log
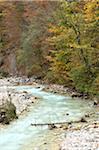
x: 47, y: 124
x: 57, y: 123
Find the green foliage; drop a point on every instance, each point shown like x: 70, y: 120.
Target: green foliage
x: 82, y: 80
x: 60, y: 44
x: 31, y: 55
x: 74, y: 56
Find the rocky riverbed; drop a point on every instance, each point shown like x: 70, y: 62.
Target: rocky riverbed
x: 82, y: 135
x: 84, y: 138
x: 8, y: 95
x: 54, y: 88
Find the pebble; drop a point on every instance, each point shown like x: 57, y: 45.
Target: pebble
x: 83, y: 139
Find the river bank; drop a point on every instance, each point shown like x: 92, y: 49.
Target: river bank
x: 54, y: 106
x: 84, y: 138
x: 23, y: 99
x: 61, y: 89
x: 20, y: 100
x: 83, y: 135
x: 48, y: 87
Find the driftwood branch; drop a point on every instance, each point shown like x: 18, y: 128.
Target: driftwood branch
x: 58, y: 123
x: 48, y: 124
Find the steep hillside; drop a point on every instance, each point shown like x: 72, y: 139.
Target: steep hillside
x: 57, y: 40
x: 23, y: 29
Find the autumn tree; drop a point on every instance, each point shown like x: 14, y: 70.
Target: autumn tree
x: 73, y: 39
x: 10, y: 36
x: 33, y: 50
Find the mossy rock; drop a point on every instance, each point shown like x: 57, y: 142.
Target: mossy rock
x: 7, y: 113
x: 3, y: 73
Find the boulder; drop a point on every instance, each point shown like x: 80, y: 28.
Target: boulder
x: 7, y: 113
x: 74, y: 95
x: 96, y: 102
x: 83, y: 119
x: 51, y: 126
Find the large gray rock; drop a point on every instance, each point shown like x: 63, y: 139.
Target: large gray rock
x: 7, y: 112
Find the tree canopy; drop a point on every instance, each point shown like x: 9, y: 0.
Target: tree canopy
x: 57, y: 40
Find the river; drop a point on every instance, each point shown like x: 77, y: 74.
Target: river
x: 50, y: 108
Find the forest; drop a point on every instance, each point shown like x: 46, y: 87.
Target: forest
x: 49, y: 58
x: 55, y: 40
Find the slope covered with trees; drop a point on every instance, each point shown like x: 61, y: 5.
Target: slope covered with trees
x: 23, y: 28
x: 56, y: 40
x: 74, y: 40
